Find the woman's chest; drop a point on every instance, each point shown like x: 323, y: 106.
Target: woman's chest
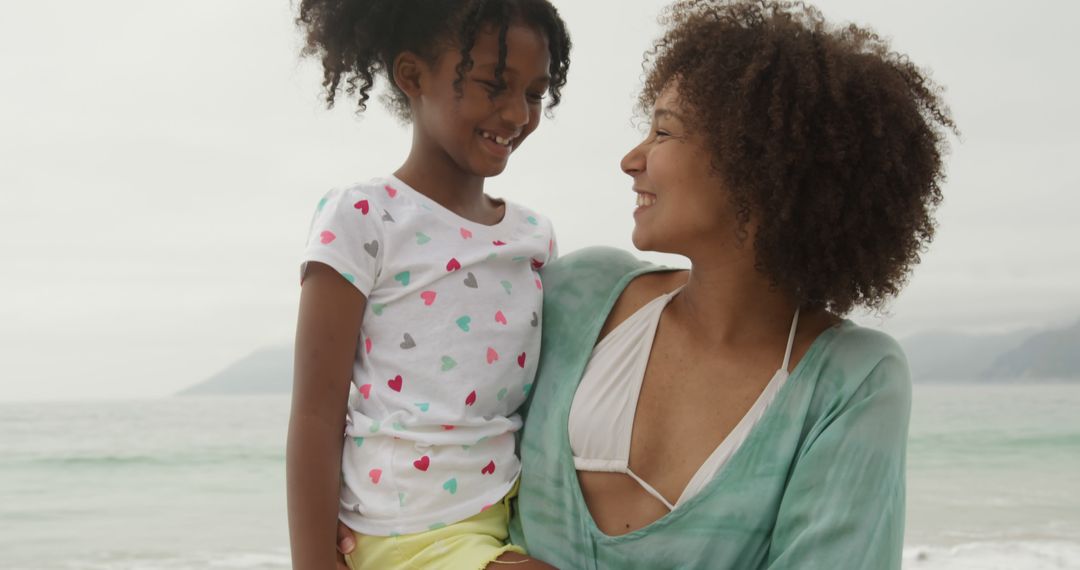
x: 688, y: 405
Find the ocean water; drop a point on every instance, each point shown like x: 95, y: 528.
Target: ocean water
x: 185, y: 483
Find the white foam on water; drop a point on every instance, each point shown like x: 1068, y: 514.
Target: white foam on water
x: 998, y: 555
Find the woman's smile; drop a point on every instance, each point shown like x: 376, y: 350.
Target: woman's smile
x: 645, y: 200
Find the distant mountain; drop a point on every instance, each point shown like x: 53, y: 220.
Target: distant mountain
x: 1051, y: 355
x: 1012, y: 357
x: 941, y: 356
x: 934, y: 357
x: 266, y: 371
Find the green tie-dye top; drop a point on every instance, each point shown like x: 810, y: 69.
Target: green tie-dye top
x: 819, y: 482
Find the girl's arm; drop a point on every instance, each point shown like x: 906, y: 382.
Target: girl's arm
x: 328, y: 329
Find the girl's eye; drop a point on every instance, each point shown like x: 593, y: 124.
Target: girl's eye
x: 661, y: 133
x: 536, y: 97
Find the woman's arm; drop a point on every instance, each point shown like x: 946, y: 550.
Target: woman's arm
x: 844, y: 502
x: 328, y: 329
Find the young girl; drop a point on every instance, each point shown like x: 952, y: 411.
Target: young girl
x: 421, y: 290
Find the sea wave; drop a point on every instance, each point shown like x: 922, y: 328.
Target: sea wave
x: 165, y: 459
x: 274, y: 560
x: 998, y: 555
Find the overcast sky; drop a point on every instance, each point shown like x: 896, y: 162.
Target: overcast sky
x: 160, y: 161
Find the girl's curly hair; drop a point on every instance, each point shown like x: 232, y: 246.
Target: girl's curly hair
x: 831, y: 143
x: 358, y: 40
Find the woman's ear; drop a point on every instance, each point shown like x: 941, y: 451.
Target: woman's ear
x: 409, y: 71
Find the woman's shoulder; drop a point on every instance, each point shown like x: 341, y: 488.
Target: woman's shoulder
x: 597, y: 261
x: 855, y: 358
x: 856, y: 343
x: 581, y: 285
x: 593, y: 270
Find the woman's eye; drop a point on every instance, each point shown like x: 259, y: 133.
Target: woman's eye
x: 536, y: 97
x: 661, y: 133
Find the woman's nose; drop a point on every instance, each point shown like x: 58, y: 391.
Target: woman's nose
x: 634, y: 161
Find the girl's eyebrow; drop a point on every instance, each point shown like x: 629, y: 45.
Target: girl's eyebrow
x: 510, y: 72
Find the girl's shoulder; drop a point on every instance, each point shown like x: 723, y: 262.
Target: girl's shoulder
x: 350, y: 196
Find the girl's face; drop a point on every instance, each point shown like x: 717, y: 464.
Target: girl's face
x: 682, y: 206
x: 476, y: 131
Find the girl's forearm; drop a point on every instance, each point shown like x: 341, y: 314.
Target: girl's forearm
x: 313, y: 467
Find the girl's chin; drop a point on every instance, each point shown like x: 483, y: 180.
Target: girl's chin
x: 486, y: 168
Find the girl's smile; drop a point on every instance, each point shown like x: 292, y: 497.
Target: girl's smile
x: 480, y: 126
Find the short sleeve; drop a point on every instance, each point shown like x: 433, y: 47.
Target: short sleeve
x: 347, y: 235
x: 553, y: 244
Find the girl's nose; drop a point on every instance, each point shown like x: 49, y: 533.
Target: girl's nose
x: 515, y: 110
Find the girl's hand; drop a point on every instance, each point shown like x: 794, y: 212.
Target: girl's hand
x: 345, y: 544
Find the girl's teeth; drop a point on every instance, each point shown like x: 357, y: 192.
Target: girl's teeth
x: 497, y: 139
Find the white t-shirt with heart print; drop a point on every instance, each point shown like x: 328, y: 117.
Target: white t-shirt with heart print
x: 447, y: 352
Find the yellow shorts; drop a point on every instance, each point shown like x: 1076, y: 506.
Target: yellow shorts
x: 470, y: 544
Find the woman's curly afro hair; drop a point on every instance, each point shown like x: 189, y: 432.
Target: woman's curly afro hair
x: 358, y: 40
x: 831, y: 144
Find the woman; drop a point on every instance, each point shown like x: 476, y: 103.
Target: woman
x: 728, y: 416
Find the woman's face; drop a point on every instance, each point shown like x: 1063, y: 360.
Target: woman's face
x: 682, y: 206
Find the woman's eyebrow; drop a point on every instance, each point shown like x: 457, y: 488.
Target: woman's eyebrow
x: 662, y: 113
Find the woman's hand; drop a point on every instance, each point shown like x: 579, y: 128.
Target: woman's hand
x: 345, y: 544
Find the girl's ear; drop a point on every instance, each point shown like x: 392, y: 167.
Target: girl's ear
x: 409, y: 71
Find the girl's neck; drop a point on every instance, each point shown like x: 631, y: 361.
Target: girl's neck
x: 434, y: 174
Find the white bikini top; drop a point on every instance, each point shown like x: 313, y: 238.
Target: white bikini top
x: 602, y: 413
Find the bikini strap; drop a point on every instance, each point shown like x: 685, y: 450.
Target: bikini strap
x: 791, y: 341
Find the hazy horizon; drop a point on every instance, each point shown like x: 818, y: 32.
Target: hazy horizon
x: 163, y: 160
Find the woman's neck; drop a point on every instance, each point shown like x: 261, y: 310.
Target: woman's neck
x: 726, y: 301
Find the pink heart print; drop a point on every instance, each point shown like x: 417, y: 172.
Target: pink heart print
x: 500, y: 318
x: 422, y: 464
x: 367, y: 345
x: 465, y: 234
x: 375, y: 475
x: 428, y: 297
x: 395, y: 383
x: 453, y: 265
x: 365, y: 391
x: 521, y: 360
x: 363, y: 206
x: 492, y: 356
x: 488, y: 469
x: 471, y: 399
x: 391, y: 191
x: 327, y: 237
